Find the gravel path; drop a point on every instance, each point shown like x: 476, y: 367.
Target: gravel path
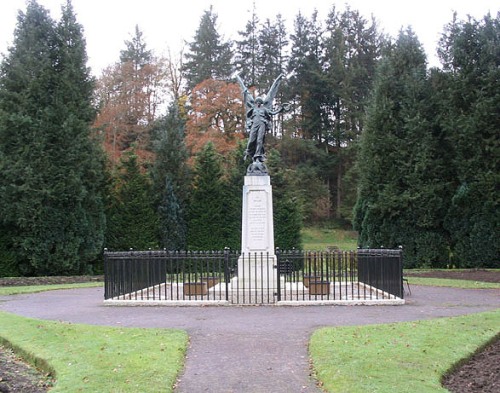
x: 247, y: 349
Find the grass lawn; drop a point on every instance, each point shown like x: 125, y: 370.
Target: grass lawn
x: 85, y: 358
x: 446, y: 282
x: 4, y: 291
x: 316, y: 238
x: 398, y: 357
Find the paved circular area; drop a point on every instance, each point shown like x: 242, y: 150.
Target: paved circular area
x: 251, y: 348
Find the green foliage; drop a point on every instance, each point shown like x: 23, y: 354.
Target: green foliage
x: 286, y: 209
x: 234, y: 180
x: 171, y: 217
x: 170, y: 175
x: 471, y: 51
x: 248, y: 49
x: 208, y: 57
x: 208, y: 210
x: 132, y: 222
x: 136, y: 51
x: 402, y: 174
x: 52, y: 172
x: 8, y: 260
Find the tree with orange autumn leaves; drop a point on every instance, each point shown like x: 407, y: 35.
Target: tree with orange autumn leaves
x: 216, y: 115
x: 128, y: 94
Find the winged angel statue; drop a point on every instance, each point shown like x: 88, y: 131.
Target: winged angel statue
x: 259, y: 112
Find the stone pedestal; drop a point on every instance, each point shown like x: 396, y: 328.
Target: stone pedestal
x: 256, y: 264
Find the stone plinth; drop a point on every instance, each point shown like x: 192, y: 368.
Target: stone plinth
x: 256, y: 264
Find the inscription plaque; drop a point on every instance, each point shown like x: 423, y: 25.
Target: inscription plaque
x: 257, y: 219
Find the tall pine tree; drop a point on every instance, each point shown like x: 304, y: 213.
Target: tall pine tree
x: 470, y: 52
x: 171, y: 179
x: 132, y: 221
x: 402, y: 186
x: 207, y: 207
x: 209, y: 56
x: 52, y: 171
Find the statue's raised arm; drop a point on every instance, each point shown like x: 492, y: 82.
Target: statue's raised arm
x: 271, y: 95
x: 247, y: 97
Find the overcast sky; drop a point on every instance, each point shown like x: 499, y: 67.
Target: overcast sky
x: 167, y: 24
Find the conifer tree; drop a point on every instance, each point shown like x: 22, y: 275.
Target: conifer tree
x: 470, y: 52
x: 247, y: 51
x: 207, y: 208
x: 233, y: 182
x: 272, y: 56
x: 402, y: 185
x: 352, y: 47
x: 171, y: 179
x: 286, y: 208
x: 209, y: 56
x: 132, y: 222
x: 307, y: 86
x: 52, y: 171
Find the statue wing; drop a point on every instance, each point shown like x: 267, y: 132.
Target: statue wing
x: 268, y: 101
x: 247, y: 96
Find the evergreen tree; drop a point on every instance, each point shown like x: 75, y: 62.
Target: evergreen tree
x: 171, y: 219
x: 352, y: 47
x: 308, y: 85
x: 286, y: 208
x: 209, y: 57
x: 272, y: 56
x: 402, y: 185
x: 170, y: 175
x: 247, y: 51
x: 470, y: 52
x: 52, y: 172
x: 207, y: 208
x: 233, y: 196
x: 136, y: 51
x: 132, y: 222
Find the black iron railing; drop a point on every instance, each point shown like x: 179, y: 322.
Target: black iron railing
x: 382, y: 269
x: 257, y: 278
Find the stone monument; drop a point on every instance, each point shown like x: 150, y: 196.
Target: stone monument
x: 256, y: 265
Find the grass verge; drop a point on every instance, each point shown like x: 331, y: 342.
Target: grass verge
x: 88, y: 358
x: 5, y: 291
x: 315, y: 238
x: 398, y: 357
x: 446, y: 282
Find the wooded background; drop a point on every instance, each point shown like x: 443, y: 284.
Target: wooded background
x: 150, y: 154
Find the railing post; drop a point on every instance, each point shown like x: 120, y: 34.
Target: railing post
x: 278, y: 283
x: 402, y: 294
x: 226, y: 271
x: 106, y: 275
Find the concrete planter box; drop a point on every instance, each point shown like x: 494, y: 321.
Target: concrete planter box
x: 195, y: 288
x: 310, y: 279
x: 211, y: 281
x: 319, y: 287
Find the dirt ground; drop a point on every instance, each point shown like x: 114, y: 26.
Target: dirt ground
x: 481, y: 374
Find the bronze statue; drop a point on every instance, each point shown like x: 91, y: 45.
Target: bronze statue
x: 259, y: 115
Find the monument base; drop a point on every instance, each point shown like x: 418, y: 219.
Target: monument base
x: 257, y: 263
x: 256, y: 271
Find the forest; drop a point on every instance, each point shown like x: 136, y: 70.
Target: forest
x: 149, y: 154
